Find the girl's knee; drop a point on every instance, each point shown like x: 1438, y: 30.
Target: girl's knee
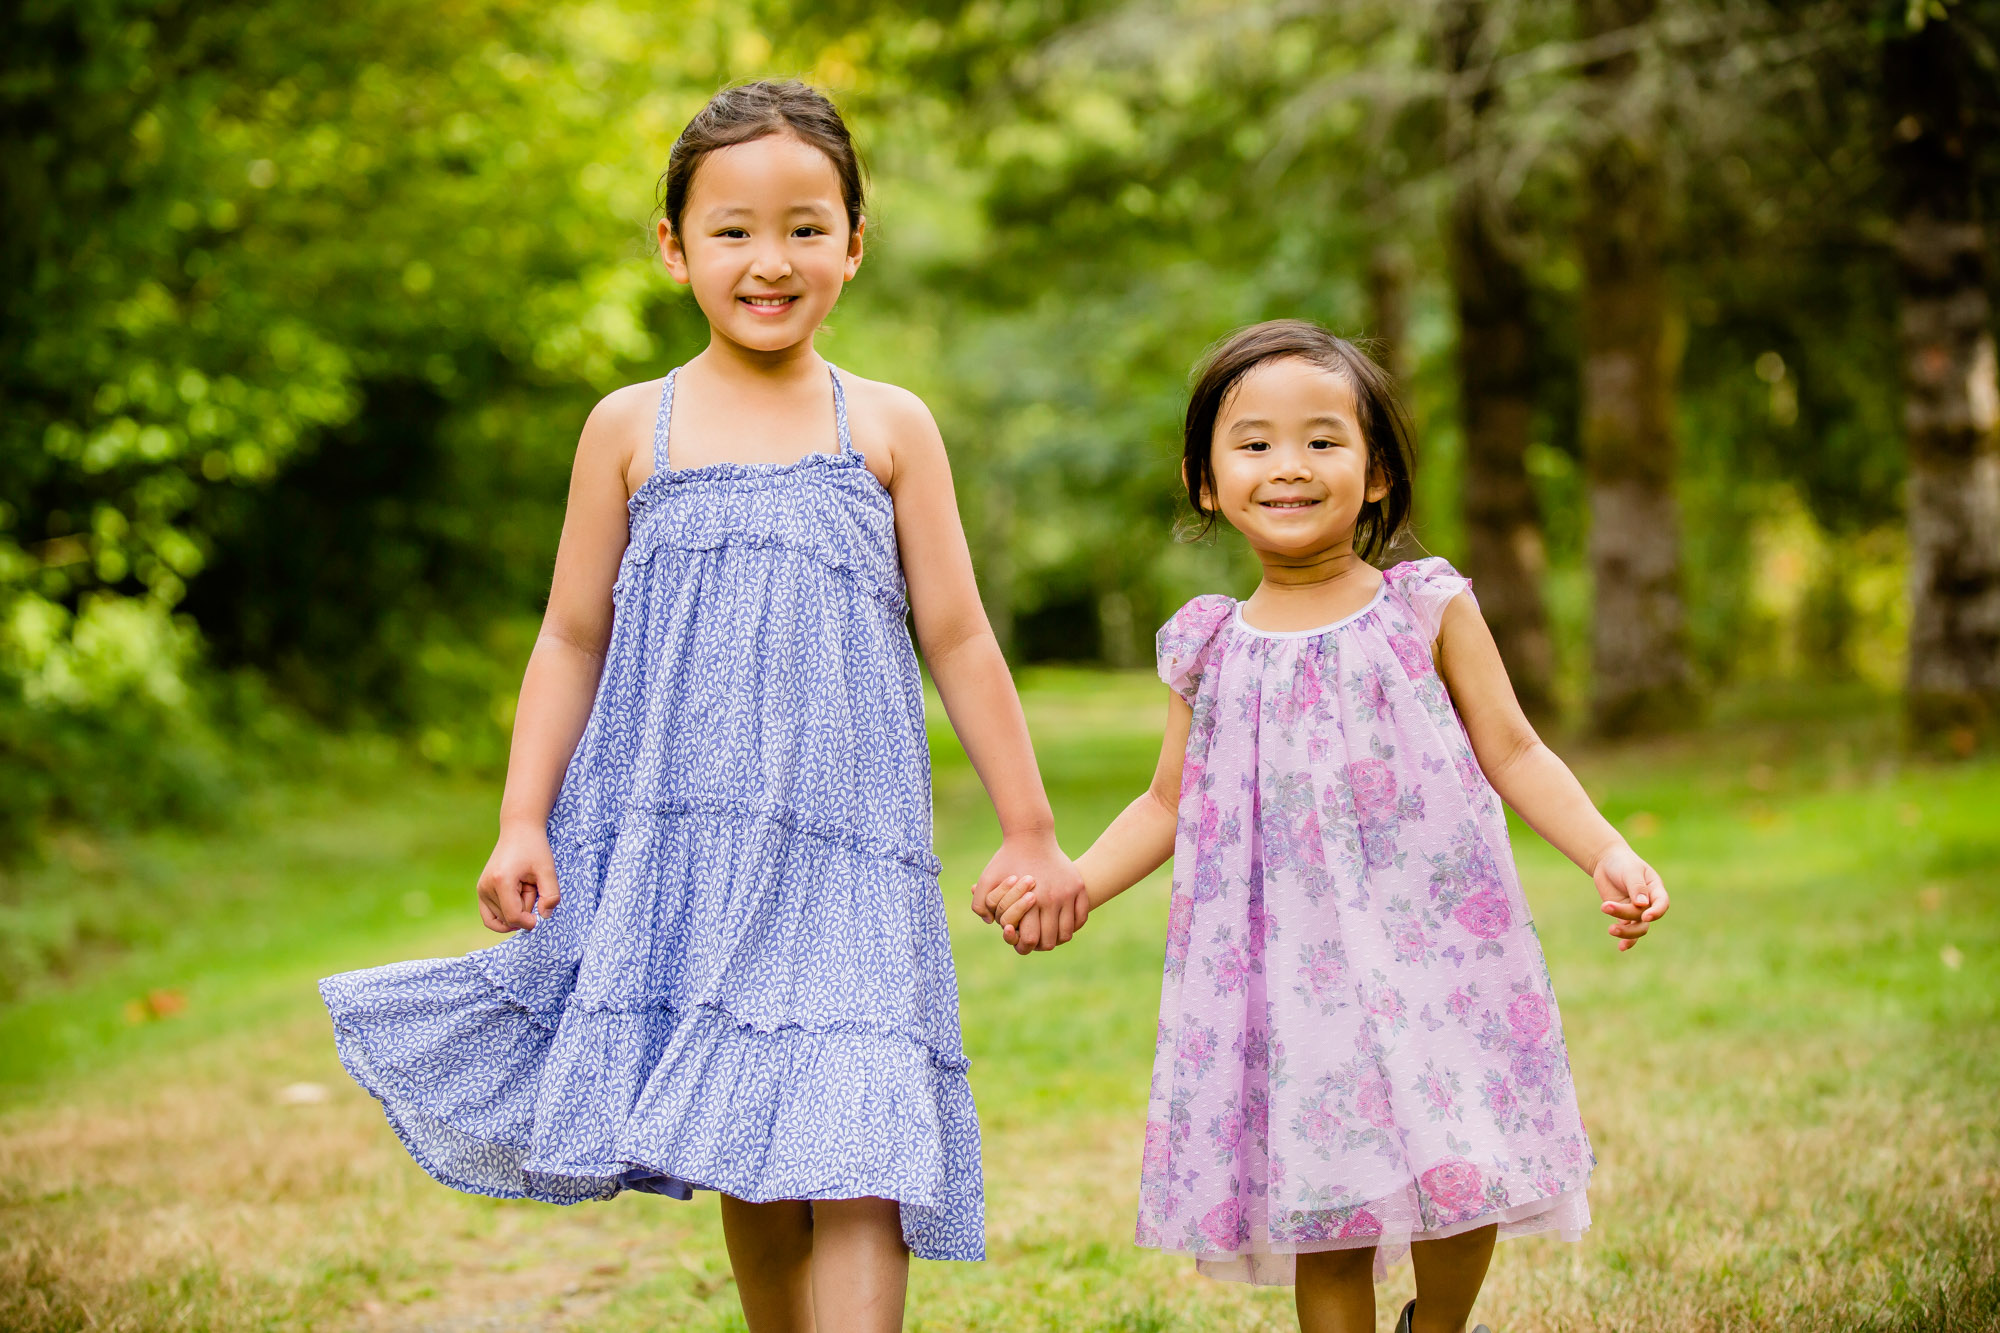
x: 1336, y: 1265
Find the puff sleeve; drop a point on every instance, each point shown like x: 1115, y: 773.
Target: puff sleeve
x: 1186, y: 644
x: 1427, y: 587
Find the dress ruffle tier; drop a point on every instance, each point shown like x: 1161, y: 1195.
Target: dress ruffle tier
x: 748, y: 984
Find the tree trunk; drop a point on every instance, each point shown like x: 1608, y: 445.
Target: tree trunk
x: 1951, y: 403
x: 1389, y: 310
x: 1642, y: 680
x: 1496, y: 393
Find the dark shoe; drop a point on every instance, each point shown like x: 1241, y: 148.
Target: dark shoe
x: 1410, y: 1312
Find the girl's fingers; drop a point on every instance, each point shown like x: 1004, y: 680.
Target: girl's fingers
x: 1066, y: 926
x: 1011, y: 918
x: 1660, y: 901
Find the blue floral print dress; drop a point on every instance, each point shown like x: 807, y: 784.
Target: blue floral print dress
x: 1358, y: 1042
x: 748, y: 985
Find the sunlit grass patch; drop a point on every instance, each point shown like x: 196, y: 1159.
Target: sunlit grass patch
x: 1790, y: 1088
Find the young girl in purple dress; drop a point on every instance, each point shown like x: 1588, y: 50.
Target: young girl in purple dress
x: 1359, y: 1052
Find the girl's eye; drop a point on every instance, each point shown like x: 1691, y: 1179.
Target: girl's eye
x: 807, y: 231
x: 734, y: 233
x: 1325, y: 444
x: 1256, y: 446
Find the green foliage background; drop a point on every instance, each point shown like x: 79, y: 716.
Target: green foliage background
x: 304, y: 305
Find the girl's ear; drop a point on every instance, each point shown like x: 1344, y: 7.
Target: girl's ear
x: 1378, y: 484
x: 1207, y: 504
x: 671, y: 253
x: 854, y: 248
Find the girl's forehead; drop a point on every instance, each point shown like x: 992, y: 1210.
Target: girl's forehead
x: 779, y: 170
x: 1289, y: 387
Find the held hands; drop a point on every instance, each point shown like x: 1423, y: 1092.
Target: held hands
x: 519, y: 882
x: 1038, y: 888
x: 1632, y: 893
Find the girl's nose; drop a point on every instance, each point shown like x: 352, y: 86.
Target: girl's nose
x: 771, y: 268
x: 1290, y: 465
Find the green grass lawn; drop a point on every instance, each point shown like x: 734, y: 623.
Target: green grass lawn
x: 1791, y: 1087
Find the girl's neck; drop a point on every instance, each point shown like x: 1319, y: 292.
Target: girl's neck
x: 732, y: 363
x: 1310, y: 589
x: 1314, y: 571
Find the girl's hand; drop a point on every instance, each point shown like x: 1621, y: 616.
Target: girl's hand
x: 1013, y: 898
x: 1632, y: 892
x: 1060, y: 905
x: 519, y: 880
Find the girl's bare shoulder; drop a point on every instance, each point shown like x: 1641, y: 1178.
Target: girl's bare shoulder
x: 891, y: 426
x: 619, y: 430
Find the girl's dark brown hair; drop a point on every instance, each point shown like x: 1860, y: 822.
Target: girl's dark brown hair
x: 1385, y: 427
x: 756, y: 111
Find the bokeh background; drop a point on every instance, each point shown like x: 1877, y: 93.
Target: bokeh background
x: 1694, y: 301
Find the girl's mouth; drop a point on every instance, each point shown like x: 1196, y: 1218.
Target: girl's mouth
x: 769, y: 305
x: 1288, y: 504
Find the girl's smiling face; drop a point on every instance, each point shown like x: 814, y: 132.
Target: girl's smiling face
x: 1291, y: 460
x: 764, y: 241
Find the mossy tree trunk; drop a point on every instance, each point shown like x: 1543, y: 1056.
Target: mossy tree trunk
x: 1951, y: 404
x: 1641, y: 675
x: 1496, y: 387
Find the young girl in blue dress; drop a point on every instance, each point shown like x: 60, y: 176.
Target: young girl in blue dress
x: 1359, y: 1052
x: 719, y: 770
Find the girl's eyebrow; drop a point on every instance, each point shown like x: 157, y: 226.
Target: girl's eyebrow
x: 1259, y: 423
x: 744, y: 210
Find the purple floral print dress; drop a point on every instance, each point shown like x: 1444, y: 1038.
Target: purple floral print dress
x: 1358, y: 1043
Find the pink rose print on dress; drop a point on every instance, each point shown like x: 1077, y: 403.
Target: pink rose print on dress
x: 1197, y: 1047
x: 1222, y: 1225
x: 1180, y: 933
x: 1225, y: 1132
x: 1372, y: 1100
x: 1500, y: 1098
x: 1456, y: 1188
x: 1158, y: 1152
x: 1407, y: 938
x: 1258, y: 1119
x: 1485, y: 914
x: 1386, y: 1003
x: 1317, y: 1124
x: 1361, y: 1222
x: 1528, y: 1015
x: 1232, y: 969
x: 1530, y: 1067
x: 1374, y: 785
x: 1305, y: 684
x: 1371, y: 693
x: 1320, y: 976
x: 1416, y: 658
x: 1459, y: 1003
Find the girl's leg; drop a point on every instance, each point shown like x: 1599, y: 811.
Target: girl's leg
x: 770, y: 1250
x: 1449, y: 1273
x: 1336, y: 1291
x: 860, y: 1266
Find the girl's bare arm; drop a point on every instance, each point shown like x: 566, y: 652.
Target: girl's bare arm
x: 965, y: 660
x: 1138, y: 841
x: 1532, y: 779
x: 568, y: 657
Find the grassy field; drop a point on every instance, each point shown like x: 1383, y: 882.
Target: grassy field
x: 1791, y: 1087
